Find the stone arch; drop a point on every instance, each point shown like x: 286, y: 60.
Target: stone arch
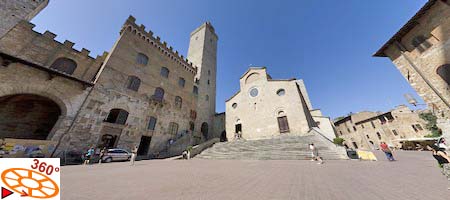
x: 28, y: 116
x: 252, y: 78
x: 444, y: 72
x: 280, y: 112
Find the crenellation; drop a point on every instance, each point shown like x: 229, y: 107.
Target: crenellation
x: 85, y: 52
x: 49, y: 35
x: 68, y: 44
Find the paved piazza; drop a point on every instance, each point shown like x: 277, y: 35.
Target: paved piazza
x: 413, y: 176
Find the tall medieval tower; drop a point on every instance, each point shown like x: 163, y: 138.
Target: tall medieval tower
x: 203, y: 54
x: 12, y: 12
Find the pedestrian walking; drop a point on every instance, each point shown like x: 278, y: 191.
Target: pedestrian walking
x: 387, y: 151
x: 443, y: 160
x: 89, y: 155
x: 315, y: 154
x: 133, y: 155
x: 102, y: 153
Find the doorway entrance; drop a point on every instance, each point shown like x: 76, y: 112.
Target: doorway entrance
x: 283, y: 124
x: 144, y: 145
x: 108, y: 141
x: 238, y: 128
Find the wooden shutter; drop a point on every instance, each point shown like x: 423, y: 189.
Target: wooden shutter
x: 122, y: 117
x: 283, y: 124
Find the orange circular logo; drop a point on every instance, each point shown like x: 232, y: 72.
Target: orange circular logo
x: 30, y: 183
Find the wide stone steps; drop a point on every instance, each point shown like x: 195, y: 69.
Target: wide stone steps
x: 285, y: 147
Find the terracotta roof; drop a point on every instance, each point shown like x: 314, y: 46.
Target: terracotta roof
x: 405, y: 29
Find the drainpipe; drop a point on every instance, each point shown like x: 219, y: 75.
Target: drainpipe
x: 402, y: 50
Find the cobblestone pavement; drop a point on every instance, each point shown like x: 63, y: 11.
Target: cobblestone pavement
x: 414, y: 176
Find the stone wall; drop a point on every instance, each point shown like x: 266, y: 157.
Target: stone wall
x: 364, y: 132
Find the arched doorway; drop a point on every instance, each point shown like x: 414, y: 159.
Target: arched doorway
x: 27, y: 116
x: 223, y: 137
x: 204, y: 130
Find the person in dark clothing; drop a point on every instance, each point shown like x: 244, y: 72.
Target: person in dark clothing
x: 442, y: 159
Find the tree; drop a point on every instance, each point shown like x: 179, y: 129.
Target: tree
x: 338, y: 141
x: 431, y: 124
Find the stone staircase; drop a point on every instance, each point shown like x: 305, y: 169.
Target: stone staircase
x: 283, y: 147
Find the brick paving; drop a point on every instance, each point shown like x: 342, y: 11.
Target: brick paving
x: 414, y: 176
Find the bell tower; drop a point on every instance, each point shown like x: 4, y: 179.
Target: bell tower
x: 203, y: 54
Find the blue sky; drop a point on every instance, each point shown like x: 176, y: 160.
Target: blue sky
x: 329, y: 44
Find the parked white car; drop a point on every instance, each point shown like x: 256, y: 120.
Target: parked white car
x: 116, y: 155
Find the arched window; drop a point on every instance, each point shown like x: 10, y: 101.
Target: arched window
x: 64, y: 65
x: 159, y: 94
x: 204, y: 130
x: 117, y: 116
x: 142, y: 59
x: 178, y: 102
x: 207, y: 98
x: 195, y: 90
x: 421, y: 43
x: 379, y: 135
x: 151, y: 123
x: 165, y: 72
x: 281, y: 92
x: 173, y: 128
x: 181, y: 82
x: 444, y: 72
x: 133, y: 83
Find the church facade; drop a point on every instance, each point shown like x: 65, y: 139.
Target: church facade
x: 142, y: 93
x: 266, y: 107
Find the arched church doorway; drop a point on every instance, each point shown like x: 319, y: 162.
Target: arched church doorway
x: 223, y: 137
x: 204, y: 130
x: 27, y: 116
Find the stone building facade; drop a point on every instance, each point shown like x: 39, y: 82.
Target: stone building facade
x: 143, y: 93
x: 265, y: 107
x: 421, y: 52
x: 365, y: 130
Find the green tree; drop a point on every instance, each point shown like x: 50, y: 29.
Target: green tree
x: 338, y: 141
x: 431, y: 124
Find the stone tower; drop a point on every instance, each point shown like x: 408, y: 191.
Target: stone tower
x: 12, y: 12
x: 203, y: 54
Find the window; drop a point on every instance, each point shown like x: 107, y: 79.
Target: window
x: 165, y: 72
x: 362, y: 125
x: 418, y: 126
x: 394, y: 132
x: 64, y: 65
x: 195, y: 90
x: 420, y: 43
x: 348, y: 130
x: 173, y: 128
x: 414, y: 127
x: 151, y: 123
x: 193, y: 114
x: 178, y: 102
x: 133, y: 83
x: 159, y: 94
x: 141, y: 59
x: 207, y: 98
x: 373, y: 125
x: 208, y: 82
x: 367, y: 136
x: 181, y: 82
x: 444, y: 72
x: 191, y: 126
x: 209, y: 72
x: 281, y: 92
x: 234, y: 105
x: 354, y: 128
x: 117, y: 116
x: 253, y: 92
x: 355, y: 145
x: 340, y: 132
x: 379, y: 135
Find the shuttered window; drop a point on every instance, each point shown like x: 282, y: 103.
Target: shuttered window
x: 173, y: 128
x: 117, y: 116
x: 133, y: 83
x: 151, y: 123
